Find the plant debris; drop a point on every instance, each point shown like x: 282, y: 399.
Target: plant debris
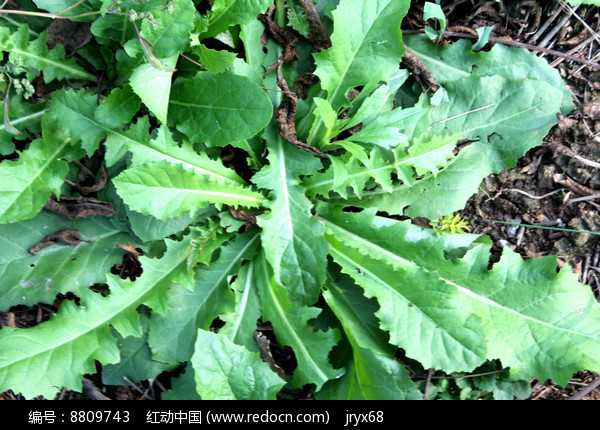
x: 79, y: 207
x: 68, y: 236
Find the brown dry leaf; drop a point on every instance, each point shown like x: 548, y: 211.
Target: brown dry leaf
x: 285, y: 115
x: 592, y: 110
x: 79, y: 207
x: 131, y: 267
x: 564, y: 122
x: 285, y: 38
x: 240, y: 215
x: 95, y: 187
x: 68, y: 236
x: 130, y: 249
x: 317, y: 34
x: 421, y: 73
x: 264, y: 345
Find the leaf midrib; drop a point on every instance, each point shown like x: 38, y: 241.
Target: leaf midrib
x: 462, y: 289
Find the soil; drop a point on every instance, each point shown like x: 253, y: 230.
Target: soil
x: 553, y: 186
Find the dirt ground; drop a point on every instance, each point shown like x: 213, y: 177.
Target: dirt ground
x: 553, y: 186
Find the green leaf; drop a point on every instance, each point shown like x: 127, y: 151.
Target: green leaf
x: 75, y: 111
x: 173, y: 334
x: 183, y: 387
x: 226, y: 13
x: 578, y: 2
x: 506, y: 118
x: 540, y: 323
x: 26, y: 184
x: 425, y: 156
x: 366, y: 46
x: 58, y: 352
x: 226, y: 371
x: 148, y: 228
x: 424, y: 315
x: 136, y: 358
x: 148, y: 148
x: 166, y: 190
x: 373, y: 373
x: 56, y: 6
x: 433, y: 10
x: 483, y: 34
x: 292, y: 327
x: 26, y: 117
x: 35, y: 54
x: 456, y: 61
x: 29, y: 279
x: 219, y: 109
x: 215, y: 61
x: 240, y: 324
x: 118, y: 108
x: 291, y: 236
x: 174, y: 24
x: 153, y: 86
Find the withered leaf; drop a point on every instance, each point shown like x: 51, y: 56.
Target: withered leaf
x: 285, y: 115
x: 68, y: 236
x: 87, y: 189
x: 240, y: 215
x: 285, y: 38
x: 79, y: 207
x: 131, y: 267
x: 130, y: 249
x: 264, y: 345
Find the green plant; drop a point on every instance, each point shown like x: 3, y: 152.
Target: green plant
x: 190, y: 169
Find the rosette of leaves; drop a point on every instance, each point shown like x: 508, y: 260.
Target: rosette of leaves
x: 298, y: 229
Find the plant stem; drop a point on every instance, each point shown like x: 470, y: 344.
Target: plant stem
x: 280, y: 12
x: 53, y: 15
x: 539, y: 226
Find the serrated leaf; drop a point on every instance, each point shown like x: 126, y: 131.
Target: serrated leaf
x: 457, y: 61
x: 174, y: 23
x: 58, y: 352
x: 424, y: 157
x: 540, y: 323
x: 372, y: 373
x: 148, y: 228
x: 183, y: 387
x: 26, y: 184
x: 166, y: 190
x: 35, y: 54
x: 219, y: 109
x: 292, y: 328
x: 366, y: 45
x: 215, y: 61
x: 291, y: 236
x: 226, y: 371
x: 136, y: 358
x: 118, y: 107
x: 226, y: 13
x: 173, y: 334
x: 73, y: 111
x: 146, y: 147
x: 29, y: 279
x: 424, y: 315
x: 505, y: 117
